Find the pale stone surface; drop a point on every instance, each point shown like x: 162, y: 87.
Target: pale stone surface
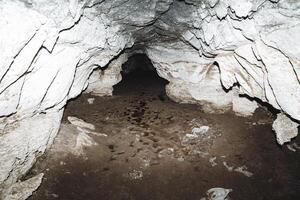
x: 254, y: 44
x: 72, y: 139
x: 195, y: 79
x: 243, y: 106
x: 65, y: 141
x: 101, y: 82
x: 83, y: 140
x: 211, y: 52
x: 21, y: 142
x: 200, y: 130
x: 80, y: 123
x: 217, y: 194
x: 49, y: 49
x: 91, y: 100
x: 250, y: 51
x: 282, y: 78
x: 285, y: 128
x: 23, y: 190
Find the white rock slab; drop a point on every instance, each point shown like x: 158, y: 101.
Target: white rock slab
x: 284, y: 128
x: 23, y: 190
x: 81, y: 123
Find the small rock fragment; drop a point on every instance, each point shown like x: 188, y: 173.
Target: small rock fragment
x: 80, y: 123
x: 136, y: 175
x: 146, y: 162
x: 212, y: 161
x: 197, y: 134
x: 168, y: 152
x: 218, y: 194
x: 243, y: 170
x: 284, y: 128
x: 291, y: 148
x: 23, y: 190
x: 90, y: 100
x: 137, y: 137
x: 188, y: 139
x: 180, y: 159
x: 199, y: 153
x: 62, y: 163
x: 200, y: 130
x: 295, y: 145
x: 229, y: 168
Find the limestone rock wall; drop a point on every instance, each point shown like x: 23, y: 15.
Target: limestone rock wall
x: 101, y: 82
x: 195, y: 79
x: 49, y: 49
x: 255, y: 45
x: 211, y: 51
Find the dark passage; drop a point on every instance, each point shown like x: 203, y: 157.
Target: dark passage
x: 150, y: 148
x: 139, y: 76
x: 140, y: 80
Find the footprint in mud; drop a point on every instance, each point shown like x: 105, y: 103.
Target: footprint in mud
x: 137, y: 113
x: 111, y: 147
x: 105, y: 169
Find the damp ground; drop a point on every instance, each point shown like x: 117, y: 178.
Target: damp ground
x: 145, y: 149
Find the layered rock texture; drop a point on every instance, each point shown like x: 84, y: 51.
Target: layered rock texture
x: 222, y: 54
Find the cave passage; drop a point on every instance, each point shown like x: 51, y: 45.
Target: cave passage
x: 139, y: 144
x: 139, y: 76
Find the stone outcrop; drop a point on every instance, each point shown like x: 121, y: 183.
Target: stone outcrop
x: 101, y: 82
x: 23, y: 190
x: 221, y: 54
x: 195, y: 79
x: 285, y: 128
x: 22, y: 141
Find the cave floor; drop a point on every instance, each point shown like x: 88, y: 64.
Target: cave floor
x: 147, y: 154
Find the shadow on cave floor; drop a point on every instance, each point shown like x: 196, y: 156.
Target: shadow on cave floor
x: 147, y: 153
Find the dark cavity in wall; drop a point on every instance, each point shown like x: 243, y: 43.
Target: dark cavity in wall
x: 140, y: 76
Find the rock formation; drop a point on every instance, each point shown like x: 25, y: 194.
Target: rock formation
x: 222, y: 54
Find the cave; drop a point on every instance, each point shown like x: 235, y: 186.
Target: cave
x: 140, y: 76
x: 156, y: 99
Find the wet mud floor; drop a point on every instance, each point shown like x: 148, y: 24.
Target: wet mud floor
x: 146, y: 154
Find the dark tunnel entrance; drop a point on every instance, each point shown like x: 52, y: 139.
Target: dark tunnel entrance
x: 142, y: 86
x: 140, y: 76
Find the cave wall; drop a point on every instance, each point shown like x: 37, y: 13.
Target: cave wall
x: 255, y: 45
x: 195, y: 79
x: 48, y: 52
x: 211, y: 52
